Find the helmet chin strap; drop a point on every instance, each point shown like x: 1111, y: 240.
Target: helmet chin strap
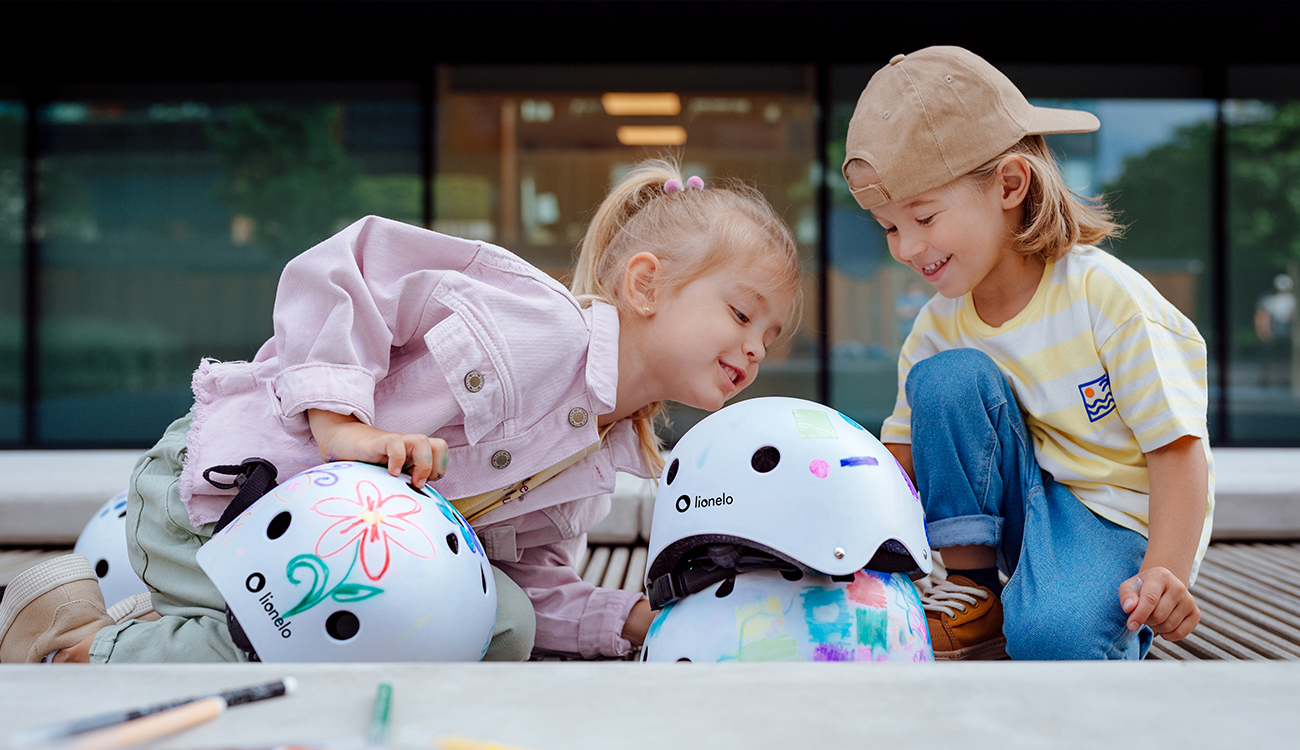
x: 709, y: 564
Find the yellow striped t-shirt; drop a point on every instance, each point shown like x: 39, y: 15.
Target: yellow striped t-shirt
x: 1105, y: 370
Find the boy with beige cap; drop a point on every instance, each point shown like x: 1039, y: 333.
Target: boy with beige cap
x: 1051, y: 405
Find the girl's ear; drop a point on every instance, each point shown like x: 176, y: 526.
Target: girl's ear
x: 1013, y: 178
x: 640, y: 281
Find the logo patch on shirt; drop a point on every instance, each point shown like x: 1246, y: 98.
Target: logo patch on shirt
x: 1097, y: 400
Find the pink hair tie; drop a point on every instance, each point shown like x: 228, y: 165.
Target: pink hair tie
x: 673, y: 185
x: 695, y: 182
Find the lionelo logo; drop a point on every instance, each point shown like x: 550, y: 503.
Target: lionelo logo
x: 255, y: 583
x: 685, y: 502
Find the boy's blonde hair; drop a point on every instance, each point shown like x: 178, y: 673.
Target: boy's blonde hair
x: 1054, y: 217
x: 692, y: 233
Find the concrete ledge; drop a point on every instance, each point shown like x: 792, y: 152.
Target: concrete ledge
x: 597, y: 706
x: 48, y: 496
x: 1257, y: 493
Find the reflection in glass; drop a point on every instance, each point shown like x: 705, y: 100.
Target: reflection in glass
x: 12, y: 217
x: 1263, y: 144
x: 524, y: 166
x: 163, y: 230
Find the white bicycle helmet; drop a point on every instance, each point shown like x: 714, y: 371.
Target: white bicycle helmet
x: 103, y: 543
x: 781, y: 483
x: 346, y: 563
x: 765, y: 616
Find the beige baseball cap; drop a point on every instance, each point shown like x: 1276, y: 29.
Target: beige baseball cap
x: 927, y: 118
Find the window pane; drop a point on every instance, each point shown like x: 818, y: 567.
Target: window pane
x: 164, y: 226
x: 12, y: 213
x: 1263, y: 144
x: 1152, y: 160
x: 526, y: 154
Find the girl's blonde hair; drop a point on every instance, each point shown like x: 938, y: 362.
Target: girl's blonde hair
x: 692, y: 233
x: 1055, y: 218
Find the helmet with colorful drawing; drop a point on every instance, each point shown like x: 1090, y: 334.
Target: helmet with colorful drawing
x: 346, y: 563
x: 784, y: 484
x: 765, y: 615
x: 103, y: 542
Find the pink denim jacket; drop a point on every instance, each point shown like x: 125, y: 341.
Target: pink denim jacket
x: 416, y: 332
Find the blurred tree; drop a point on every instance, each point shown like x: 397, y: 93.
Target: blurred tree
x: 288, y: 177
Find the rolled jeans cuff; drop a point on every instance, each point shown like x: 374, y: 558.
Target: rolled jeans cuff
x: 965, y: 530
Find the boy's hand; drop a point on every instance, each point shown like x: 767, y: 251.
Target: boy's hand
x: 1157, y: 598
x: 345, y: 438
x: 638, y: 622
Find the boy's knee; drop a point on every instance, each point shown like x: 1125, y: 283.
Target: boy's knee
x: 516, y: 623
x: 951, y: 374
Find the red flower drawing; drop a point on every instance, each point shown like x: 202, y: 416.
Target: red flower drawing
x: 375, y: 522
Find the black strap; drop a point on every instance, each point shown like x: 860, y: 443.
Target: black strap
x: 254, y: 477
x: 709, y: 564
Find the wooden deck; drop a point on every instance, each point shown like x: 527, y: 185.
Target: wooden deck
x: 1249, y: 594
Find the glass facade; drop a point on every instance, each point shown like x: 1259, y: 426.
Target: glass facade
x: 161, y: 220
x: 13, y: 212
x: 163, y: 226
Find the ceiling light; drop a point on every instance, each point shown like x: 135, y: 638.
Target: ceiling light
x: 641, y: 104
x: 652, y: 135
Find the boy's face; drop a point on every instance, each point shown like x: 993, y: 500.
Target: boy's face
x: 954, y: 236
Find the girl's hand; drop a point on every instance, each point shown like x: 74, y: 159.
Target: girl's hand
x: 345, y: 438
x: 1159, y: 599
x: 638, y: 622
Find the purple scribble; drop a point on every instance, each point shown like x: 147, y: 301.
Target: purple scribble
x: 859, y: 461
x: 832, y: 652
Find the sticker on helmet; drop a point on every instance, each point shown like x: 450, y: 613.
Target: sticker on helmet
x: 814, y: 425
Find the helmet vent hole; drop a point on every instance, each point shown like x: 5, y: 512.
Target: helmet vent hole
x: 342, y: 625
x: 122, y: 514
x: 726, y: 588
x: 672, y: 470
x: 792, y: 575
x: 453, y: 543
x: 101, y: 568
x: 765, y: 459
x: 483, y: 576
x: 279, y: 525
x: 684, y: 659
x: 842, y: 579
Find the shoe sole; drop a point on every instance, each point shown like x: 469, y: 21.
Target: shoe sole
x: 994, y: 650
x: 38, y: 580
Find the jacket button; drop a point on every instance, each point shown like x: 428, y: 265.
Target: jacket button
x: 473, y: 381
x: 500, y: 459
x: 577, y: 417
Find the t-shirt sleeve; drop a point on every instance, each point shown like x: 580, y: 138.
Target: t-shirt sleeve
x: 920, y: 343
x: 1158, y: 380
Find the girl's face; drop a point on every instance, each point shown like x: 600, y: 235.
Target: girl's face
x: 709, y: 336
x: 957, y: 237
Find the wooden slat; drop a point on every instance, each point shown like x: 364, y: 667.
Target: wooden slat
x: 595, y: 572
x: 616, y: 570
x: 635, y: 580
x: 1279, y: 580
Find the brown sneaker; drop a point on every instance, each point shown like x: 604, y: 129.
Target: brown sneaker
x: 138, y: 607
x: 48, y: 607
x: 965, y: 620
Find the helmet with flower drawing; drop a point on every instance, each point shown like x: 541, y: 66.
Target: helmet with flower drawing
x: 103, y: 543
x: 346, y: 563
x: 780, y: 483
x: 767, y: 615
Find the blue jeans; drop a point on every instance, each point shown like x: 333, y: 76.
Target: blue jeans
x: 981, y: 485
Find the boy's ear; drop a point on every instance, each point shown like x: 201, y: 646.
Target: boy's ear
x: 1013, y: 177
x: 640, y: 281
